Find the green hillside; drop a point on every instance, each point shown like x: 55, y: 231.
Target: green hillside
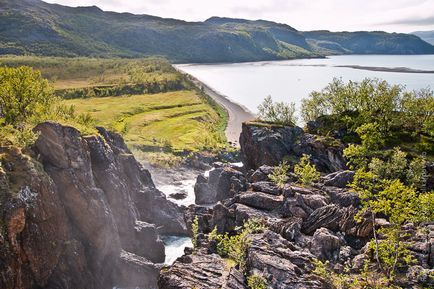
x: 33, y: 27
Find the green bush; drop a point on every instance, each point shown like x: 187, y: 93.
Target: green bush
x: 26, y: 99
x: 195, y: 231
x: 235, y: 247
x: 256, y: 282
x: 277, y: 112
x: 305, y: 171
x: 279, y: 174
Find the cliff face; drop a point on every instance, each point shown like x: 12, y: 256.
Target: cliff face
x: 268, y: 145
x: 80, y: 213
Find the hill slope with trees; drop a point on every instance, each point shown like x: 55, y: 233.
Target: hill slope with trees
x: 38, y: 28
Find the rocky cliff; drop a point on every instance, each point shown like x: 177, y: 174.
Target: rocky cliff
x: 263, y: 144
x: 80, y: 212
x: 302, y: 223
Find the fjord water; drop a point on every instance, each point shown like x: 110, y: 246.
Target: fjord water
x: 293, y: 80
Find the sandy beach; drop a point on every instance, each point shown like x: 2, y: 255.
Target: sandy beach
x: 237, y: 113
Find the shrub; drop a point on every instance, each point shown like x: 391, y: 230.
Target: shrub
x: 23, y: 95
x: 278, y: 112
x: 279, y: 174
x: 256, y: 282
x: 235, y: 247
x: 305, y: 171
x: 195, y: 231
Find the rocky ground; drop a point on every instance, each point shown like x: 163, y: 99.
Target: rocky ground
x: 81, y: 212
x: 303, y: 223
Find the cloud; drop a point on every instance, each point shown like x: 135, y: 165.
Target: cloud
x: 413, y: 21
x: 335, y: 15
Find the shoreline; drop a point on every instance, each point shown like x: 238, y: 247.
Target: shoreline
x: 237, y: 113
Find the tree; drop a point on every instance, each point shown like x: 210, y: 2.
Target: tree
x: 23, y: 94
x: 277, y: 112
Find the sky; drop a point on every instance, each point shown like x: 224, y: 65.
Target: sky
x: 334, y: 15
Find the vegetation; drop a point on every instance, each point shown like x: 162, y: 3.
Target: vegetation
x: 159, y: 112
x: 235, y: 246
x: 39, y: 28
x: 391, y: 181
x: 277, y: 112
x: 279, y: 174
x: 386, y: 190
x: 27, y: 99
x: 374, y: 113
x: 305, y: 171
x: 256, y: 282
x: 195, y: 231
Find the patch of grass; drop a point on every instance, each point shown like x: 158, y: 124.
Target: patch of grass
x: 186, y: 122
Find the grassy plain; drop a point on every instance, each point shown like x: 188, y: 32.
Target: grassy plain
x: 166, y: 117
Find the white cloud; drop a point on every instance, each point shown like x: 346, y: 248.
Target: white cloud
x: 335, y: 15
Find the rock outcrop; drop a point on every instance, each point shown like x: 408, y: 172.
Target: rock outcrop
x: 80, y: 212
x: 262, y: 144
x: 302, y: 223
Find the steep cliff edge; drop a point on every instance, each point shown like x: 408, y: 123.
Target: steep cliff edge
x: 80, y: 212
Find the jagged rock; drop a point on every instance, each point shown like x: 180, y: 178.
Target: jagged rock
x: 281, y: 263
x: 235, y: 280
x: 261, y: 174
x: 223, y: 219
x: 268, y: 145
x: 266, y: 187
x: 136, y: 272
x: 336, y: 218
x: 261, y: 201
x: 325, y: 245
x: 223, y: 183
x: 418, y: 275
x: 71, y: 206
x: 343, y: 197
x: 198, y: 270
x: 289, y: 229
x: 340, y: 179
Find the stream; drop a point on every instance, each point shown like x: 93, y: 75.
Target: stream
x: 176, y: 182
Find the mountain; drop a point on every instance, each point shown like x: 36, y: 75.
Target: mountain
x: 36, y: 27
x: 428, y: 36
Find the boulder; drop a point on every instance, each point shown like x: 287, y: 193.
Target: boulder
x: 283, y: 265
x: 340, y: 179
x: 222, y: 183
x: 266, y: 187
x: 269, y: 145
x: 261, y: 201
x: 325, y: 245
x: 199, y: 270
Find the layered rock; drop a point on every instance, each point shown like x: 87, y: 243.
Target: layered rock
x: 303, y: 223
x: 269, y: 145
x: 78, y: 212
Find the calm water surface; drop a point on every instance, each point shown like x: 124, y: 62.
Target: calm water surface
x: 293, y: 80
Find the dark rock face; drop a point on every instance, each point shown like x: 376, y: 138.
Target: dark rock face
x: 222, y: 183
x: 82, y: 219
x: 264, y: 145
x: 340, y: 179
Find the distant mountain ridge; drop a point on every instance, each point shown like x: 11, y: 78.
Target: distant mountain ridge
x: 38, y: 28
x: 428, y: 36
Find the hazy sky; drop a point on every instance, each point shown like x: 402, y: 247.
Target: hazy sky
x: 335, y: 15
